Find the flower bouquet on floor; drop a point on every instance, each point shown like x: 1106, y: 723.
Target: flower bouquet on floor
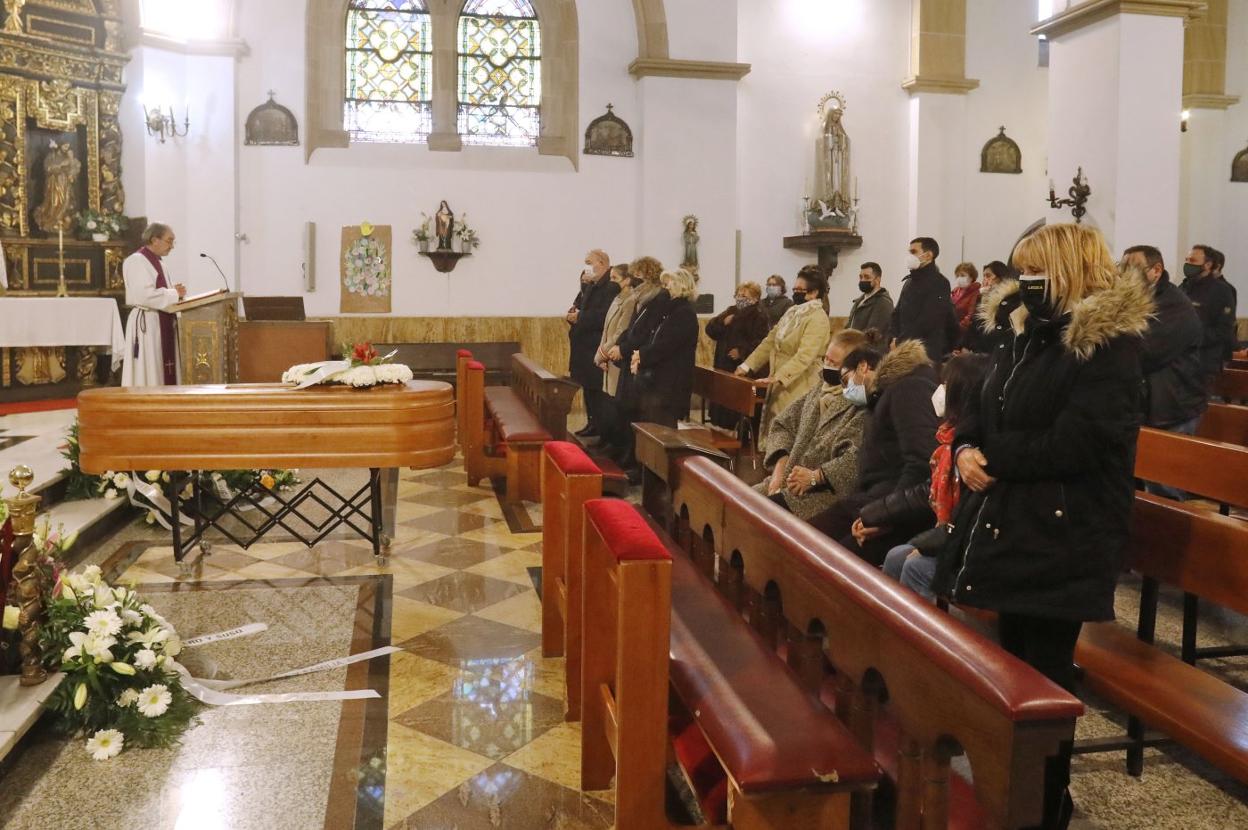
x: 364, y: 368
x: 122, y: 685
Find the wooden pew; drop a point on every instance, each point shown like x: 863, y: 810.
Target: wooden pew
x: 1226, y: 423
x: 569, y: 479
x: 462, y: 358
x: 440, y: 361
x: 1205, y: 555
x: 628, y: 583
x: 735, y: 393
x: 948, y: 688
x: 470, y: 395
x: 547, y: 397
x: 1232, y: 384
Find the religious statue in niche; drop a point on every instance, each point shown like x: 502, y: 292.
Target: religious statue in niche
x: 60, y: 178
x: 608, y: 135
x: 444, y: 225
x: 1001, y: 155
x: 690, y: 239
x: 1239, y: 167
x: 271, y: 124
x: 833, y: 198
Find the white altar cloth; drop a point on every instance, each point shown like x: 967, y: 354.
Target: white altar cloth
x: 27, y: 322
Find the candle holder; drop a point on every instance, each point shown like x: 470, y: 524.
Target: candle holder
x: 1079, y: 192
x: 27, y: 575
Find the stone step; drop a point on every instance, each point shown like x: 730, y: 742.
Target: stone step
x: 20, y: 708
x: 91, y: 519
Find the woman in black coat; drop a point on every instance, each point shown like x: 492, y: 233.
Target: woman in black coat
x: 664, y: 365
x: 737, y: 331
x: 1050, y: 466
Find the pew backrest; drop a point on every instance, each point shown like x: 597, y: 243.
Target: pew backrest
x: 548, y: 396
x: 1225, y: 422
x: 1211, y: 469
x: 1232, y: 384
x: 733, y: 392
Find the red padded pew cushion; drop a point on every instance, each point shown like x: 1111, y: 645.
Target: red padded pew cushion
x: 463, y: 353
x: 571, y: 459
x: 476, y: 365
x: 627, y: 534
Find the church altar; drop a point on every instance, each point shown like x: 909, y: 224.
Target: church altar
x: 53, y: 322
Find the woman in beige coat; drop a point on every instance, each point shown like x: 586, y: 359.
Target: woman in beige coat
x: 618, y: 316
x: 791, y: 354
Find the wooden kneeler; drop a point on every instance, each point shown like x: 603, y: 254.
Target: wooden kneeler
x: 569, y: 479
x: 462, y: 358
x: 628, y: 584
x: 476, y: 463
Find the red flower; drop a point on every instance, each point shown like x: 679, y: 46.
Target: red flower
x: 364, y: 353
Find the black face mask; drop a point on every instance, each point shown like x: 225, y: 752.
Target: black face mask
x: 635, y: 281
x: 799, y: 297
x: 1034, y: 292
x: 864, y: 286
x: 831, y: 376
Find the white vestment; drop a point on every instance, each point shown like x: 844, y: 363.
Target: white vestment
x: 4, y: 269
x: 143, y: 324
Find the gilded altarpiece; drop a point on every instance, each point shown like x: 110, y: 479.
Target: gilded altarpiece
x: 61, y: 64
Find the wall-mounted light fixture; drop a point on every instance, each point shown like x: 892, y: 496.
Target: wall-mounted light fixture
x: 164, y: 125
x: 1079, y: 192
x: 1183, y: 116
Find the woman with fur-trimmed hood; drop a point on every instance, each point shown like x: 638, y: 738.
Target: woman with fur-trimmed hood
x: 1040, y: 538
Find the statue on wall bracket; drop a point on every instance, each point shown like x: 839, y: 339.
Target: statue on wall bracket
x: 60, y: 180
x: 834, y: 201
x: 1001, y: 155
x: 608, y: 135
x: 1239, y: 166
x: 272, y: 125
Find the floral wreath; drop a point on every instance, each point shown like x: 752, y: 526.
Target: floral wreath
x: 367, y: 271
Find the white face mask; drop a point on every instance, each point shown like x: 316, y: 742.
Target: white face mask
x: 962, y: 282
x: 913, y: 262
x: 938, y: 401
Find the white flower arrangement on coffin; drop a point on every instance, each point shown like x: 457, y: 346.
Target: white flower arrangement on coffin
x: 122, y: 686
x: 363, y: 369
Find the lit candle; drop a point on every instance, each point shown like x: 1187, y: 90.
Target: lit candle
x: 1052, y: 192
x: 855, y: 188
x: 60, y: 241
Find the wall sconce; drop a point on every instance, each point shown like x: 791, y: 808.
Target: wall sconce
x: 1079, y: 193
x: 1186, y: 114
x: 164, y: 126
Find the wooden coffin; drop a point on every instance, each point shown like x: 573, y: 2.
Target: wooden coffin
x: 258, y: 426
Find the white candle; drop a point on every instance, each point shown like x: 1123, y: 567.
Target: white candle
x: 60, y: 240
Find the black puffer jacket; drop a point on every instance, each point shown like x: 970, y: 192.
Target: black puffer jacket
x: 665, y: 376
x: 925, y: 312
x: 1170, y: 358
x: 586, y: 333
x: 1061, y: 410
x: 900, y: 435
x: 1214, y: 301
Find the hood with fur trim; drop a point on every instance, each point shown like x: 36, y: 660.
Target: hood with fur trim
x: 1125, y: 308
x: 902, y: 361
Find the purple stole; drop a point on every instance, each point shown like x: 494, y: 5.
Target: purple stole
x: 168, y: 341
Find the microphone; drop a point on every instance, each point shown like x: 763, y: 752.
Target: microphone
x: 224, y: 281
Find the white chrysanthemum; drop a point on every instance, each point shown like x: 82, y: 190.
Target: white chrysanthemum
x: 121, y: 481
x: 393, y: 373
x: 103, y: 623
x: 154, y: 700
x: 131, y: 617
x: 358, y: 376
x: 105, y: 744
x: 145, y: 659
x: 152, y: 475
x: 128, y: 698
x: 110, y: 494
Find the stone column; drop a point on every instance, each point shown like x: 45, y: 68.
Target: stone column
x: 937, y: 85
x: 1115, y: 97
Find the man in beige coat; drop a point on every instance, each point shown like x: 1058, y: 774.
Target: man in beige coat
x: 790, y: 354
x: 812, y: 449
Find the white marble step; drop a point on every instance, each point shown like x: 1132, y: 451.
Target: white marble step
x: 80, y: 516
x: 44, y: 434
x: 20, y: 707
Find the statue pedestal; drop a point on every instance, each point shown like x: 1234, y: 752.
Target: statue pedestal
x: 828, y: 243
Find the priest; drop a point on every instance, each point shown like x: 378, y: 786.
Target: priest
x: 151, y: 357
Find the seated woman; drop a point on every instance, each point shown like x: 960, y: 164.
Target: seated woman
x: 956, y: 401
x: 663, y: 366
x: 812, y: 449
x: 737, y: 331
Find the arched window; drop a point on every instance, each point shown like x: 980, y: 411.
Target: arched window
x: 500, y: 73
x: 389, y: 90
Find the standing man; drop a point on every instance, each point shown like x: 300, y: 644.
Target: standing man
x: 587, y: 317
x: 151, y: 357
x: 1169, y: 355
x: 925, y: 308
x: 1215, y: 306
x: 1219, y: 260
x: 872, y: 310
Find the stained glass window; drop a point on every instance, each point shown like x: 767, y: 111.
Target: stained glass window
x: 389, y: 71
x: 500, y: 73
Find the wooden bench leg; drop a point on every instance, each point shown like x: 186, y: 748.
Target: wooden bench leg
x: 1135, y: 752
x: 554, y: 587
x: 513, y: 475
x: 788, y: 810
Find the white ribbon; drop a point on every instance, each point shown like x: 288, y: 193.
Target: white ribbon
x: 241, y: 631
x: 326, y: 369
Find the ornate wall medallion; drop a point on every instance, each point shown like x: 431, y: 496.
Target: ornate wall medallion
x: 1239, y: 167
x: 608, y: 135
x: 1001, y: 155
x: 271, y: 124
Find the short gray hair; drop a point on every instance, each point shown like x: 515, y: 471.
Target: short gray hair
x: 156, y: 230
x: 683, y: 284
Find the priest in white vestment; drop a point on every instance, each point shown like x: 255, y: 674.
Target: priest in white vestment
x: 151, y: 357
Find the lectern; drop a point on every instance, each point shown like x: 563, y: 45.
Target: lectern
x: 208, y: 337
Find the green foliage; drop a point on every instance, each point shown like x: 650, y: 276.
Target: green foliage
x: 79, y: 485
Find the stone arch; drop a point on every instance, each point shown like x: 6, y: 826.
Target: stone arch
x: 651, y: 29
x: 325, y: 61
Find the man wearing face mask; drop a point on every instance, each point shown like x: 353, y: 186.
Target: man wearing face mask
x: 812, y: 449
x: 1215, y: 306
x: 925, y: 308
x: 1219, y: 262
x: 872, y: 311
x: 775, y: 303
x: 897, y: 443
x: 586, y: 318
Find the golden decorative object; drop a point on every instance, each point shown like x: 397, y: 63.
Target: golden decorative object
x: 13, y: 25
x: 27, y: 575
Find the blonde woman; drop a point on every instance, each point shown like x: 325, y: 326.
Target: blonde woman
x: 644, y: 275
x: 790, y: 354
x: 663, y: 366
x: 1040, y: 538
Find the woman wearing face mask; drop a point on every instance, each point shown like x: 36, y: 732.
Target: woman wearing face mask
x: 1050, y: 463
x: 965, y: 296
x: 618, y: 315
x: 775, y: 303
x: 663, y: 366
x: 645, y: 274
x: 790, y: 353
x: 812, y: 449
x: 976, y: 338
x: 737, y: 331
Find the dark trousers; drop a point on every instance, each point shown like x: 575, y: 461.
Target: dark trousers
x: 838, y: 520
x: 1048, y: 646
x: 593, y: 406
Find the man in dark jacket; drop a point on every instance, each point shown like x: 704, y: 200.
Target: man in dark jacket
x: 1219, y: 262
x: 1215, y: 305
x: 587, y: 317
x: 873, y: 307
x: 897, y: 447
x: 925, y: 308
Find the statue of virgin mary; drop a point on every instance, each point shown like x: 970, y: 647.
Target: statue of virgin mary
x: 832, y: 161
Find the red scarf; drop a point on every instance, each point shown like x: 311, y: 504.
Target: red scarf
x: 168, y: 338
x: 945, y: 488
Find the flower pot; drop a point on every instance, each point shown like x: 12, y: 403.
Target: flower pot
x: 424, y: 245
x: 465, y: 246
x: 99, y: 237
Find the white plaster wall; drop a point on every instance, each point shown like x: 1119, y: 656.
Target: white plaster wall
x: 1232, y: 197
x: 702, y: 30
